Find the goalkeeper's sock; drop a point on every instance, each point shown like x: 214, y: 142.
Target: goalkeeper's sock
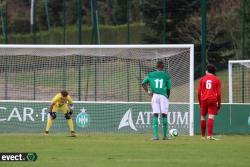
x: 155, y: 126
x: 70, y: 124
x: 210, y: 126
x: 165, y: 126
x: 49, y: 124
x: 203, y: 128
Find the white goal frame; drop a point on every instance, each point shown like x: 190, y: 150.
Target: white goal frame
x: 230, y: 76
x: 188, y: 46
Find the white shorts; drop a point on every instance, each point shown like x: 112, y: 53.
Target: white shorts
x: 160, y: 104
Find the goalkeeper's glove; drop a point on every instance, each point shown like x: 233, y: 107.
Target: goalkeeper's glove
x: 68, y: 115
x: 71, y: 108
x: 52, y: 115
x: 70, y: 112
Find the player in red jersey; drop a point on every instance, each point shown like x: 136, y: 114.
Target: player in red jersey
x: 209, y: 96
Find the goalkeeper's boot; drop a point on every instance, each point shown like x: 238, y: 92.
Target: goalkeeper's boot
x: 73, y: 134
x: 46, y: 133
x: 212, y: 138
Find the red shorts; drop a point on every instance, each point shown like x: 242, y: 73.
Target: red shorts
x: 208, y: 107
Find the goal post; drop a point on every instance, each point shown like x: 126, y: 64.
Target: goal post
x: 100, y: 77
x: 238, y: 81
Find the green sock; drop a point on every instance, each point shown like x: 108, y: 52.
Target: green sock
x: 155, y: 127
x: 165, y: 126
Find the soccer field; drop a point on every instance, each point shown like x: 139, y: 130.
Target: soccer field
x: 127, y: 150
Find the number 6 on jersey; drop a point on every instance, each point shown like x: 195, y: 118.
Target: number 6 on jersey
x: 208, y: 84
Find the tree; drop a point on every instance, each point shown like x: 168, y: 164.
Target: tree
x: 115, y: 11
x: 223, y: 32
x: 18, y: 15
x: 177, y: 12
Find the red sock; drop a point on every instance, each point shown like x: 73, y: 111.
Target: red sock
x: 203, y: 127
x: 210, y: 125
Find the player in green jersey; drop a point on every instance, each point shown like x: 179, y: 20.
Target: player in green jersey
x: 160, y: 84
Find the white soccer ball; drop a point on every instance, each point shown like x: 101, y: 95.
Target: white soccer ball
x: 173, y: 132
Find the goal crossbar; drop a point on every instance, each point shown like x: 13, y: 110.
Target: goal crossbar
x: 129, y: 59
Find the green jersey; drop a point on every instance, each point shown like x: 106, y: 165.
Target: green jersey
x: 159, y: 82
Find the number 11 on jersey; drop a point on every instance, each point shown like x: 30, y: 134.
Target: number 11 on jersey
x: 158, y: 83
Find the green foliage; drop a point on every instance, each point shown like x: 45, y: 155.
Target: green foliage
x: 226, y: 41
x: 110, y: 12
x: 109, y: 35
x: 115, y: 12
x: 183, y: 23
x: 18, y: 15
x: 176, y: 13
x: 223, y: 35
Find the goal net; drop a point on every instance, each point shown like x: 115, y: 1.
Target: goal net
x: 239, y: 78
x: 105, y: 80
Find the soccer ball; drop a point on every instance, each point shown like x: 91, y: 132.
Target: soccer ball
x: 173, y: 132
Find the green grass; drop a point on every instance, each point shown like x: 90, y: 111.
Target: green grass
x: 127, y: 150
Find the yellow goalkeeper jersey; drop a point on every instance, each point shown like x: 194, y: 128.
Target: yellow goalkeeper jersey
x: 59, y: 101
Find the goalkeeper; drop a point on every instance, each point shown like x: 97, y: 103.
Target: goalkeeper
x: 160, y: 84
x: 61, y: 102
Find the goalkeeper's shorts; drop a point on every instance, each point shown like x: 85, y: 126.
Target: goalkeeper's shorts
x: 64, y: 108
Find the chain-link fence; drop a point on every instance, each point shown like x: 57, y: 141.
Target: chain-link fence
x: 227, y: 25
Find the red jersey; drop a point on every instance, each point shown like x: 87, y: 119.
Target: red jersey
x: 209, y: 88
